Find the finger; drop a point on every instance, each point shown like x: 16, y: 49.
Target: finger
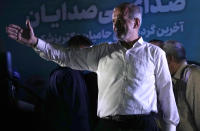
x: 13, y: 33
x: 19, y: 41
x: 19, y: 36
x: 28, y: 24
x: 15, y: 26
x: 10, y: 29
x: 13, y: 37
x: 21, y: 31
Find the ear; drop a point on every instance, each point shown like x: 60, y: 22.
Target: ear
x: 171, y: 59
x: 137, y: 23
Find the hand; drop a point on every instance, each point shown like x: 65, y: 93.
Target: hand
x: 23, y: 36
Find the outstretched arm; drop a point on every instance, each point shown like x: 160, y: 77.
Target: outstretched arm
x: 80, y: 59
x: 24, y: 36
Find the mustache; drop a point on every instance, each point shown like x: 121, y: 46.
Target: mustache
x: 120, y: 30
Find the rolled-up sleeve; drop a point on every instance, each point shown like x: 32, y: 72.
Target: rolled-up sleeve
x: 79, y: 59
x: 165, y: 93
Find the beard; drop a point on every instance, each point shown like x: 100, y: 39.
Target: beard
x: 121, y: 32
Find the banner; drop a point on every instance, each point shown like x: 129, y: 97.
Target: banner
x: 57, y: 21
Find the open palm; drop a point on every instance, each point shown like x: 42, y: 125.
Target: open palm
x: 24, y: 36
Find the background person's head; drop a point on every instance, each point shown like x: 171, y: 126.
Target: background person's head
x: 79, y: 41
x: 175, y: 53
x: 157, y: 42
x: 127, y: 19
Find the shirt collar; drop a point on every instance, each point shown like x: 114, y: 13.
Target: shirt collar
x: 140, y: 41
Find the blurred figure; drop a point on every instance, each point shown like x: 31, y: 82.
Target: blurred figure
x: 18, y: 113
x: 193, y: 62
x: 157, y: 42
x: 67, y: 98
x: 91, y: 83
x: 186, y: 81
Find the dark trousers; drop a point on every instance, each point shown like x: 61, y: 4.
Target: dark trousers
x: 128, y: 123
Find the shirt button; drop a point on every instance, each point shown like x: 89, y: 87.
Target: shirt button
x: 125, y: 78
x: 124, y: 73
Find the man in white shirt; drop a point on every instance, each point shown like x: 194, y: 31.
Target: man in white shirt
x: 133, y: 75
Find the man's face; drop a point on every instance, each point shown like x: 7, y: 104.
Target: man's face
x: 122, y: 24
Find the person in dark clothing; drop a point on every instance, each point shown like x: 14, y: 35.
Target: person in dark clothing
x: 67, y: 99
x: 91, y: 83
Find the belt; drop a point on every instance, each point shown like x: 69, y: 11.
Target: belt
x: 126, y: 117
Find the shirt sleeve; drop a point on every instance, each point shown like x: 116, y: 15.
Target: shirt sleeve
x: 79, y: 59
x: 193, y: 95
x: 165, y: 92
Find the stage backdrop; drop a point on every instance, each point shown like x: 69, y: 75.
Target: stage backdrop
x: 57, y: 20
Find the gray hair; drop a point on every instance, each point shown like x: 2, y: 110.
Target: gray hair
x: 134, y: 11
x: 175, y: 49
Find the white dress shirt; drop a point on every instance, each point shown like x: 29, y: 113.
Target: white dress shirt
x: 130, y: 81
